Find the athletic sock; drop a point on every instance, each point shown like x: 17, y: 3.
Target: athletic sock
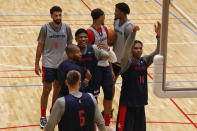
x: 53, y: 102
x: 107, y: 118
x: 43, y: 111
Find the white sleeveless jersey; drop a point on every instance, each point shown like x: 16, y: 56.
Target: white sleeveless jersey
x: 54, y: 47
x: 103, y: 38
x: 120, y: 37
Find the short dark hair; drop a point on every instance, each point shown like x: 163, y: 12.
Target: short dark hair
x: 55, y: 8
x: 71, y: 48
x: 138, y: 41
x: 96, y: 13
x: 79, y: 31
x: 123, y: 7
x: 73, y: 77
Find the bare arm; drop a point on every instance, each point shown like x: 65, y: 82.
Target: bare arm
x: 69, y: 35
x: 149, y: 58
x: 40, y: 47
x: 38, y: 56
x: 87, y: 78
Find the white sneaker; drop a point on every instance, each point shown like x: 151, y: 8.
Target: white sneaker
x: 109, y: 128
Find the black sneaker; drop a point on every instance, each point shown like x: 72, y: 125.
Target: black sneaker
x: 102, y: 113
x: 43, y: 122
x: 112, y: 112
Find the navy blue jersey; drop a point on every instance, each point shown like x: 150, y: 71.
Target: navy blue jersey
x: 79, y: 114
x: 89, y: 61
x: 134, y: 91
x: 63, y: 69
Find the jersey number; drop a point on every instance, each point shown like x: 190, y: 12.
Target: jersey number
x: 82, y: 118
x: 56, y: 45
x: 141, y: 79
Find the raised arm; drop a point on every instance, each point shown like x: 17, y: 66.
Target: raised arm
x: 149, y: 58
x: 127, y: 49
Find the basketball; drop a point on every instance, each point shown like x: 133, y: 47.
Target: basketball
x: 111, y: 37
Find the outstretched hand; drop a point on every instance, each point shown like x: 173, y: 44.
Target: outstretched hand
x: 136, y: 28
x: 158, y: 28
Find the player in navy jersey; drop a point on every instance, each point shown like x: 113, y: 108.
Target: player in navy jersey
x: 134, y: 92
x: 74, y: 56
x: 77, y: 111
x: 91, y: 54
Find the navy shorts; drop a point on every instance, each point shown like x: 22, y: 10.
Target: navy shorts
x: 131, y: 119
x: 104, y: 78
x: 49, y: 74
x: 116, y: 69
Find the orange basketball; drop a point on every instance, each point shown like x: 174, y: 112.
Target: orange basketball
x: 111, y: 37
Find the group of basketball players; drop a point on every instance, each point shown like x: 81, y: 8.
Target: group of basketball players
x: 76, y: 73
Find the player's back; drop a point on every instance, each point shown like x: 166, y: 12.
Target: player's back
x: 79, y: 114
x: 63, y: 69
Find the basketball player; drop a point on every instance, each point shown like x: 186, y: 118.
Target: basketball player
x: 74, y: 56
x: 134, y: 92
x: 91, y: 54
x: 52, y: 40
x: 77, y: 111
x: 122, y: 27
x: 97, y: 34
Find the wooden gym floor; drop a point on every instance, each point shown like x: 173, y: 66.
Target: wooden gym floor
x: 20, y: 88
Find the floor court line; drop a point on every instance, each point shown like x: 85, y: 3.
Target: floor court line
x: 149, y: 67
x: 87, y: 19
x: 156, y: 1
x: 13, y: 27
x: 20, y: 77
x: 183, y: 112
x: 82, y: 24
x: 178, y: 107
x: 149, y: 122
x: 145, y: 43
x: 140, y: 13
x: 116, y: 83
x: 19, y: 127
x: 191, y: 114
x: 18, y: 66
x: 22, y: 46
x: 14, y: 70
